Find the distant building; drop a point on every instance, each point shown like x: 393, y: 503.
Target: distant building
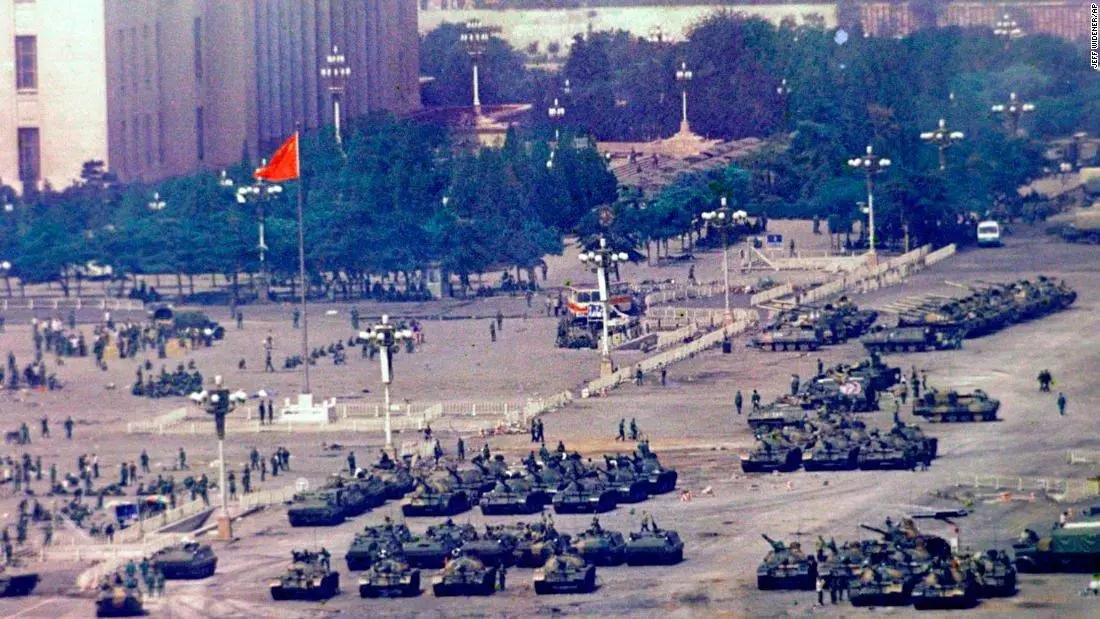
x: 164, y: 87
x: 1062, y: 18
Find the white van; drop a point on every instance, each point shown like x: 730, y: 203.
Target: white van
x: 989, y: 233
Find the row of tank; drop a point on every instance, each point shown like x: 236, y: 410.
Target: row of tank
x: 840, y: 388
x: 809, y: 328
x: 469, y: 563
x: 938, y: 322
x: 903, y: 566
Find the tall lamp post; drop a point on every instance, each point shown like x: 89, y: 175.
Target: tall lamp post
x: 601, y: 260
x: 684, y: 77
x: 942, y: 138
x: 258, y: 194
x: 156, y: 204
x: 784, y: 92
x: 1007, y: 28
x: 219, y: 402
x: 722, y: 219
x: 475, y: 38
x: 870, y: 164
x: 336, y: 73
x: 556, y: 113
x: 386, y: 338
x: 1013, y: 110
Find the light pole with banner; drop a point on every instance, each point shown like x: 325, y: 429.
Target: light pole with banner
x: 601, y: 260
x: 870, y: 164
x: 386, y: 338
x: 219, y: 402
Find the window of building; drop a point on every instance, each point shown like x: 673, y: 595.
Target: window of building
x: 200, y: 133
x: 196, y: 32
x: 30, y: 155
x: 26, y: 62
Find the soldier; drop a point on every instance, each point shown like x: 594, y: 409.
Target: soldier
x: 914, y: 384
x: 274, y: 465
x: 1061, y: 403
x: 646, y: 521
x: 461, y: 449
x: 240, y: 319
x: 534, y: 431
x: 326, y: 558
x: 820, y: 367
x: 924, y: 380
x: 492, y: 332
x: 638, y: 376
x: 795, y: 381
x: 47, y: 533
x: 820, y: 584
x: 53, y: 475
x: 254, y: 458
x: 633, y: 429
x: 500, y: 320
x: 263, y: 470
x: 486, y: 455
x: 232, y: 484
x: 45, y: 427
x: 296, y: 316
x: 755, y: 400
x: 542, y: 431
x: 159, y: 579
x: 144, y: 459
x: 246, y: 480
x: 355, y: 318
x: 268, y: 366
x: 897, y: 413
x: 351, y: 462
x: 502, y: 572
x: 738, y: 401
x: 183, y: 458
x: 664, y: 375
x: 622, y: 430
x: 904, y: 392
x: 24, y: 434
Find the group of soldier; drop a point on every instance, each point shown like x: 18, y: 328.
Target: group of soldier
x: 150, y: 575
x: 33, y: 376
x: 280, y: 461
x: 622, y: 430
x: 179, y: 383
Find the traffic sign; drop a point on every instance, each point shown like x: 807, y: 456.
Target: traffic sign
x: 775, y: 241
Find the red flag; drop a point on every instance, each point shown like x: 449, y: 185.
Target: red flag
x: 285, y: 164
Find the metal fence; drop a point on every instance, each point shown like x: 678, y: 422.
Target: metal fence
x: 59, y: 303
x: 1058, y: 489
x: 771, y: 294
x: 669, y: 316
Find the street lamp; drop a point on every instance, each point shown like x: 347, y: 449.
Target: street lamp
x: 870, y: 164
x: 219, y: 402
x: 784, y: 92
x: 941, y: 138
x: 1013, y: 110
x: 336, y: 73
x: 475, y: 38
x: 601, y: 260
x: 556, y: 113
x: 257, y: 193
x: 1007, y: 28
x: 386, y: 338
x: 683, y: 77
x: 722, y: 219
x: 567, y: 88
x: 156, y: 204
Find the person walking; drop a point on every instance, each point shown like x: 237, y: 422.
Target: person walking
x: 633, y: 429
x: 295, y: 317
x: 622, y: 430
x: 738, y: 401
x: 664, y: 376
x: 492, y: 332
x: 820, y: 584
x: 1061, y: 403
x: 755, y: 400
x: 638, y: 376
x: 351, y: 462
x: 69, y: 423
x: 461, y: 449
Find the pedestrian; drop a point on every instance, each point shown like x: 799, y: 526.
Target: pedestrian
x: 47, y: 533
x: 461, y: 449
x: 110, y: 531
x: 502, y: 572
x: 664, y: 376
x: 755, y: 400
x: 500, y: 320
x: 633, y: 429
x: 296, y: 316
x: 738, y: 401
x: 914, y: 384
x: 183, y: 458
x: 95, y: 466
x: 638, y: 376
x: 820, y: 585
x: 262, y: 411
x: 904, y: 392
x: 240, y: 320
x: 246, y: 480
x: 795, y: 382
x: 45, y: 427
x: 69, y: 428
x: 437, y: 451
x: 1061, y: 403
x: 351, y: 462
x: 274, y: 465
x: 428, y: 432
x: 268, y: 366
x: 263, y: 470
x: 820, y: 367
x: 144, y: 458
x: 486, y: 455
x: 542, y: 431
x: 791, y: 247
x: 622, y: 430
x: 528, y: 296
x: 492, y: 332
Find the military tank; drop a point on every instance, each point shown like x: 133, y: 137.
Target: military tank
x: 317, y: 508
x: 948, y: 585
x: 628, y: 486
x: 786, y: 567
x: 390, y: 576
x: 185, y: 560
x: 536, y: 541
x: 937, y: 406
x: 114, y: 598
x: 362, y: 494
x: 16, y: 584
x: 309, y: 577
x: 882, y: 584
x: 565, y: 572
x: 927, y: 446
x: 912, y: 339
x: 585, y: 495
x: 773, y: 453
x: 653, y: 546
x: 495, y: 547
x: 512, y: 496
x: 369, y: 545
x: 464, y: 575
x: 775, y: 415
x: 600, y: 546
x: 660, y: 478
x: 396, y: 481
x: 888, y: 452
x: 438, y: 542
x: 435, y: 498
x: 788, y: 337
x: 1070, y: 547
x: 996, y: 573
x: 834, y: 452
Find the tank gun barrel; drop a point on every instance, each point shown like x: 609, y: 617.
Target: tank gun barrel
x: 876, y: 530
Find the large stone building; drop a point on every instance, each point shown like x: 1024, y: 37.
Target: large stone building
x: 1067, y: 19
x: 163, y: 87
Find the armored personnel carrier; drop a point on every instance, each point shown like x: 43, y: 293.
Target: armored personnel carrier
x: 937, y: 406
x: 465, y: 575
x: 309, y: 577
x: 390, y: 576
x: 788, y: 337
x: 435, y: 498
x: 438, y: 542
x: 495, y: 547
x: 369, y: 545
x: 16, y: 584
x: 1072, y: 547
x: 654, y: 546
x: 512, y: 496
x: 585, y: 495
x: 600, y: 546
x: 185, y: 561
x: 572, y: 334
x: 786, y: 567
x: 773, y: 452
x: 114, y: 598
x: 317, y: 508
x: 832, y: 452
x: 660, y: 479
x: 948, y: 585
x: 778, y: 414
x: 912, y: 339
x: 996, y: 573
x: 565, y: 572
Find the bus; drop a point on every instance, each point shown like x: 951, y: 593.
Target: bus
x: 989, y: 233
x: 583, y: 297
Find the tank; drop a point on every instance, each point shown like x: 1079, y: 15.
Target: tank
x: 307, y: 578
x: 396, y: 481
x: 882, y: 584
x: 586, y: 495
x: 369, y: 545
x: 834, y: 452
x: 439, y: 542
x: 512, y: 496
x: 912, y: 339
x: 888, y: 452
x: 1073, y: 547
x: 948, y: 585
x: 927, y: 446
x: 660, y: 479
x: 317, y: 508
x: 786, y: 567
x: 15, y: 584
x: 654, y: 546
x: 185, y: 561
x: 435, y: 498
x: 937, y: 406
x: 464, y: 575
x: 855, y: 394
x: 535, y: 542
x: 362, y: 494
x: 600, y: 546
x: 115, y: 599
x: 779, y: 414
x: 772, y: 453
x: 495, y: 547
x: 996, y: 573
x: 628, y: 486
x: 390, y: 576
x: 565, y: 573
x: 786, y: 337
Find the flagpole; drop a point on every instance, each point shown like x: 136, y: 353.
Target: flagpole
x: 302, y: 264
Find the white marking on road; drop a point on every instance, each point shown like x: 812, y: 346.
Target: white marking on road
x: 38, y: 605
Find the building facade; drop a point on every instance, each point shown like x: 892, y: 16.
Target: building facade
x: 157, y: 88
x: 1068, y: 19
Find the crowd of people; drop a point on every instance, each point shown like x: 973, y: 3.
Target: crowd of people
x: 182, y: 382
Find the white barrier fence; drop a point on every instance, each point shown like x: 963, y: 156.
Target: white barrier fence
x: 1082, y: 456
x: 158, y: 423
x: 680, y: 292
x: 100, y: 303
x: 940, y: 255
x: 771, y: 294
x: 669, y: 316
x: 1059, y: 489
